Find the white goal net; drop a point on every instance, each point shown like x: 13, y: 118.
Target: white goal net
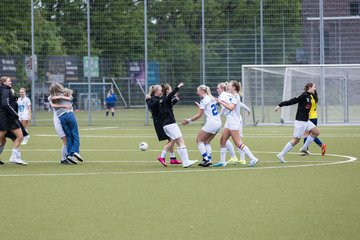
x: 338, y: 86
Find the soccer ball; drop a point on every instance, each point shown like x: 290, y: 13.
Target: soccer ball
x: 143, y: 146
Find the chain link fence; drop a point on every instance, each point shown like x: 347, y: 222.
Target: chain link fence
x: 191, y: 41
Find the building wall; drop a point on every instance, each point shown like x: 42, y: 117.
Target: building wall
x: 342, y: 36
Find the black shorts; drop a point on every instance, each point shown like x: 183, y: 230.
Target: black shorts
x: 160, y: 132
x: 110, y: 105
x: 12, y: 136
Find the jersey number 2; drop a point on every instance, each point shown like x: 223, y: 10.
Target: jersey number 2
x: 214, y: 109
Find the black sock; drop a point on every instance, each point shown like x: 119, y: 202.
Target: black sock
x: 107, y: 113
x: 113, y: 114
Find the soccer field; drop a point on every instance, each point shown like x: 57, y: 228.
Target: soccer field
x: 120, y: 192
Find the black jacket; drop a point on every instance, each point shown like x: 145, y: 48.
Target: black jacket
x: 8, y: 101
x: 166, y: 108
x: 9, y: 118
x: 304, y: 105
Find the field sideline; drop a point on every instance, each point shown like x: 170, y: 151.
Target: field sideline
x: 120, y: 192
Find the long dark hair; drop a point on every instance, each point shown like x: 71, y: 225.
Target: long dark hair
x: 315, y: 94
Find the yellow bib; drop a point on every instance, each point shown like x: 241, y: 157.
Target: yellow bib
x: 312, y: 113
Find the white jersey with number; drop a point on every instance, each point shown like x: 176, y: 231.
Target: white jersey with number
x: 226, y: 97
x: 213, y: 122
x: 24, y: 106
x: 235, y: 116
x: 210, y: 109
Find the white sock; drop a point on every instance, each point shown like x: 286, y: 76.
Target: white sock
x: 163, y: 154
x: 208, y: 151
x: 16, y: 152
x: 287, y: 148
x: 172, y: 155
x: 202, y: 150
x: 63, y: 152
x: 230, y: 148
x: 184, y: 156
x: 242, y: 154
x: 247, y: 151
x: 309, y: 140
x: 222, y: 155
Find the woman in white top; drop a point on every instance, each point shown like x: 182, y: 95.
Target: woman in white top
x: 224, y: 95
x: 24, y: 112
x: 209, y: 108
x: 233, y: 125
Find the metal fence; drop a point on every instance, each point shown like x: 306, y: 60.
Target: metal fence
x: 139, y: 43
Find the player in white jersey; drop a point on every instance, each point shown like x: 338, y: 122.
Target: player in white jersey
x: 209, y: 108
x: 232, y: 126
x: 24, y: 112
x: 224, y: 95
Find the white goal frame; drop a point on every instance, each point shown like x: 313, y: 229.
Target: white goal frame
x: 258, y: 80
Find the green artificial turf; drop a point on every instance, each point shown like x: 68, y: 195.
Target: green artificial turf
x: 120, y: 192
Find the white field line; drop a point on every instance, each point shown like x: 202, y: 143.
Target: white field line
x: 189, y: 170
x: 141, y: 136
x: 97, y: 128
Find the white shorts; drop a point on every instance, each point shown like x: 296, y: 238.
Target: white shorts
x: 173, y: 131
x: 24, y: 116
x: 301, y: 127
x: 232, y: 125
x: 235, y: 126
x: 212, y: 127
x: 58, y: 128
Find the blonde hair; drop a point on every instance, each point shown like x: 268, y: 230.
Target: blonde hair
x: 223, y: 86
x: 57, y: 89
x: 237, y: 86
x: 3, y: 79
x: 152, y: 89
x: 207, y: 90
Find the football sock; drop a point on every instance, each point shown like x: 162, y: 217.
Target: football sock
x: 247, y: 151
x: 107, y: 113
x: 287, y: 148
x: 16, y: 152
x: 172, y: 155
x: 208, y: 151
x: 318, y: 142
x: 183, y: 153
x: 112, y: 114
x: 202, y: 150
x: 222, y: 155
x: 163, y: 154
x: 309, y: 140
x: 230, y: 148
x: 242, y: 154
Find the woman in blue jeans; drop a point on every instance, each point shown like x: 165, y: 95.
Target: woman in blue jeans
x: 61, y: 101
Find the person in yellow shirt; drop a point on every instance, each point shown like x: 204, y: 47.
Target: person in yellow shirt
x: 313, y: 119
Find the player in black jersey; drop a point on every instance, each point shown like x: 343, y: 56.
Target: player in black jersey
x: 152, y: 100
x: 171, y: 128
x: 302, y: 123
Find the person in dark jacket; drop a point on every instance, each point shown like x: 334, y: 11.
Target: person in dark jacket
x: 152, y: 100
x: 9, y: 119
x: 164, y: 105
x: 302, y: 123
x: 171, y: 128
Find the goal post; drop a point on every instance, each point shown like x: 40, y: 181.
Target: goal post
x: 338, y: 85
x: 82, y: 96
